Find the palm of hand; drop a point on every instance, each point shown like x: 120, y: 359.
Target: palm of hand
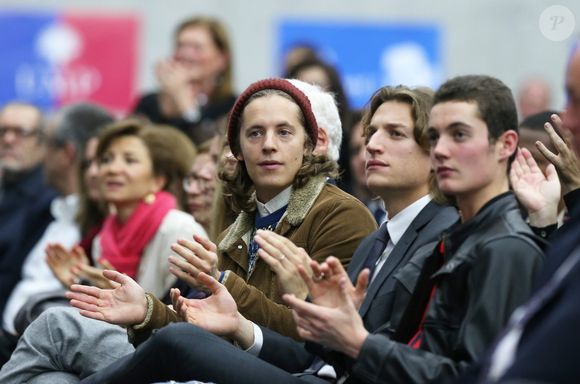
x: 215, y: 314
x: 535, y: 190
x: 121, y: 305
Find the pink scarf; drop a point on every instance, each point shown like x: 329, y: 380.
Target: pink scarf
x: 122, y: 244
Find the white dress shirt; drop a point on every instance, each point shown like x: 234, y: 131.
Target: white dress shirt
x: 275, y: 204
x: 36, y: 275
x: 397, y: 226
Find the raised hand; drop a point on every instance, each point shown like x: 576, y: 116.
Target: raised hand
x: 62, y: 262
x: 566, y: 160
x: 196, y: 256
x: 174, y: 80
x: 539, y: 193
x: 218, y: 313
x: 324, y: 284
x: 340, y: 328
x: 124, y: 305
x: 284, y: 258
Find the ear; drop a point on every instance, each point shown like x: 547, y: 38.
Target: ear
x: 322, y: 142
x: 70, y: 152
x: 507, y: 144
x: 159, y: 183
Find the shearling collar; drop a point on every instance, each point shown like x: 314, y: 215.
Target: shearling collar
x: 301, y: 201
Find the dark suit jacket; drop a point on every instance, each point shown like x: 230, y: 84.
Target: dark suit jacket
x: 424, y: 229
x: 378, y: 303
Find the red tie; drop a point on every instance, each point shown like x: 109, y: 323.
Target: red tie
x: 416, y: 340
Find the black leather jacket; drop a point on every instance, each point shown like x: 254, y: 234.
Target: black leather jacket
x: 489, y: 268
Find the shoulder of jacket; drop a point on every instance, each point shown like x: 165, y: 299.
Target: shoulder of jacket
x: 179, y: 220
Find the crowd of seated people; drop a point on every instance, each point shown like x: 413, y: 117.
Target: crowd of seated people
x: 209, y: 237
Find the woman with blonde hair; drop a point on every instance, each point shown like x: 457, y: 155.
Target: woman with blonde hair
x: 196, y: 90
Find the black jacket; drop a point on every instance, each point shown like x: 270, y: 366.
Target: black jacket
x: 490, y: 262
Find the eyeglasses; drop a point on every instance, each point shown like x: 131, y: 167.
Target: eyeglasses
x: 18, y: 132
x: 202, y: 183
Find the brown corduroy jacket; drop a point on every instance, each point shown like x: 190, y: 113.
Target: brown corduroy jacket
x: 320, y: 218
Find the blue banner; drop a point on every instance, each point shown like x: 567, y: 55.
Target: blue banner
x: 369, y: 56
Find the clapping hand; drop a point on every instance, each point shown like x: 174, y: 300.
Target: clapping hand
x: 284, y: 258
x: 196, y: 256
x: 124, y: 305
x: 63, y: 262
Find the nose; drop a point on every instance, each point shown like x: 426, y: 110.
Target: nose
x: 269, y: 143
x: 440, y: 149
x: 374, y: 145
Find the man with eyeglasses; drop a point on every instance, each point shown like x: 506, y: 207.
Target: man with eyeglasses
x: 24, y: 196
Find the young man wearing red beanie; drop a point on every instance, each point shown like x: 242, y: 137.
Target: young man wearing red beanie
x: 278, y: 184
x: 398, y: 171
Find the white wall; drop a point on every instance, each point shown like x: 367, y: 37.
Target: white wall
x: 496, y: 37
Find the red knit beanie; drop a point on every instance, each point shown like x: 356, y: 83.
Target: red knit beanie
x: 282, y: 85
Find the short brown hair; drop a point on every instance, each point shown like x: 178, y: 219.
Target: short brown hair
x: 171, y: 152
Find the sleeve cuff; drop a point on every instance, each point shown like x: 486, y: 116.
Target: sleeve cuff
x: 147, y: 315
x: 258, y: 341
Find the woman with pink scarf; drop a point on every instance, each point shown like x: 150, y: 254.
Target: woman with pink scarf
x: 141, y: 168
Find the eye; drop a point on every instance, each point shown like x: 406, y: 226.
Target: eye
x: 105, y: 159
x: 285, y: 132
x: 459, y: 135
x: 253, y: 133
x: 432, y: 137
x: 396, y: 133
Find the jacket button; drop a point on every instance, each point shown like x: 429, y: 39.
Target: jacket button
x: 239, y: 246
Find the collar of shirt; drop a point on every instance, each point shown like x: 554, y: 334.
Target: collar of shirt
x: 275, y: 204
x: 64, y: 208
x: 398, y: 224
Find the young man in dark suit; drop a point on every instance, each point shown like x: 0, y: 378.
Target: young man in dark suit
x: 398, y: 171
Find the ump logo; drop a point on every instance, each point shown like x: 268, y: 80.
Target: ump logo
x: 59, y: 45
x: 557, y: 23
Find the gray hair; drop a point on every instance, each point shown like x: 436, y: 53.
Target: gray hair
x: 78, y: 123
x: 326, y: 114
